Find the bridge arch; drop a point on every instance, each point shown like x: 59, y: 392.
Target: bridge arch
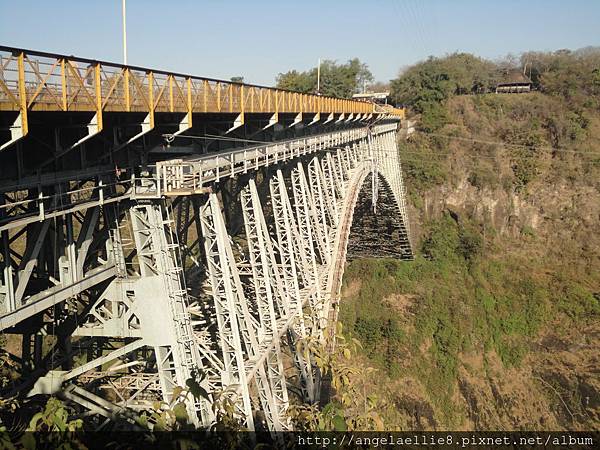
x: 362, y: 183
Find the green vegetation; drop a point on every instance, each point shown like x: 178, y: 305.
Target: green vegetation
x: 337, y: 80
x: 353, y: 407
x: 459, y: 300
x: 486, y: 286
x: 574, y: 75
x: 530, y: 134
x: 425, y: 86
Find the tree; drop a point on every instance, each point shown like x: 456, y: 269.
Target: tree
x: 363, y: 74
x: 297, y: 81
x: 436, y: 79
x: 337, y: 80
x: 574, y: 75
x: 237, y: 79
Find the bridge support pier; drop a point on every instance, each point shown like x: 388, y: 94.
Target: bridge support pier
x: 162, y: 292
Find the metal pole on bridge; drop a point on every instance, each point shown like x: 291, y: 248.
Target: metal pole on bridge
x: 124, y: 32
x: 318, y: 76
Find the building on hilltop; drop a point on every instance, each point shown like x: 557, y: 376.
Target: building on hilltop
x: 513, y: 81
x: 382, y: 98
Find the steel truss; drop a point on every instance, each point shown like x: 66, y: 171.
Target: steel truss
x: 145, y: 285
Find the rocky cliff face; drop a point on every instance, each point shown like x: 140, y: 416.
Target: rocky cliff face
x: 556, y: 212
x: 534, y: 279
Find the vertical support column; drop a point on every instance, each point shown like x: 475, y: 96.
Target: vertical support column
x: 374, y: 150
x: 162, y: 292
x: 328, y: 195
x: 22, y: 94
x: 35, y: 238
x: 20, y: 126
x: 205, y: 94
x: 314, y: 176
x: 63, y: 84
x: 337, y: 177
x: 85, y: 238
x: 98, y: 88
x: 319, y: 228
x: 226, y: 292
x: 329, y: 182
x: 114, y: 244
x: 126, y: 76
x: 313, y: 274
x: 7, y: 288
x: 289, y: 244
x: 151, y: 99
x: 343, y: 173
x: 267, y: 287
x: 348, y: 159
x: 70, y: 248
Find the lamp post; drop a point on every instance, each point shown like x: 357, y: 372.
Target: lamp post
x: 124, y: 32
x: 318, y: 76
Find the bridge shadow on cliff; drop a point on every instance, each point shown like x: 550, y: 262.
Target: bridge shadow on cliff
x: 379, y: 234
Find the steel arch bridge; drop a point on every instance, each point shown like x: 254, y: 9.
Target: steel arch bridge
x: 157, y: 231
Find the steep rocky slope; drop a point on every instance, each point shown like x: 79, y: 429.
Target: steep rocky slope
x: 496, y: 324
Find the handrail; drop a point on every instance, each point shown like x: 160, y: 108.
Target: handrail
x: 34, y: 80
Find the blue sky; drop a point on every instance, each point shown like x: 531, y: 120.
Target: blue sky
x: 258, y: 39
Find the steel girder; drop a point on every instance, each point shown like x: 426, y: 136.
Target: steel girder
x: 290, y: 251
x: 270, y: 295
x: 304, y: 210
x: 162, y: 290
x: 228, y: 296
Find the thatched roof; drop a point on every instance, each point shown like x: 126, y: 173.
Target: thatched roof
x: 513, y: 77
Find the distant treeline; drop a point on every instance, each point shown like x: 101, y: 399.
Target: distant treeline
x: 574, y: 75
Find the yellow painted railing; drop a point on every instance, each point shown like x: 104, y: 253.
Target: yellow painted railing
x: 36, y: 81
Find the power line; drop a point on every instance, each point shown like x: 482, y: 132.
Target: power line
x: 441, y: 156
x: 439, y: 162
x: 497, y: 143
x: 400, y: 10
x: 507, y: 144
x: 446, y: 154
x: 421, y: 25
x: 439, y: 159
x: 417, y: 30
x: 213, y: 137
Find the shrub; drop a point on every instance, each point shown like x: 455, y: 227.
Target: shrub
x: 369, y: 332
x: 433, y: 117
x: 470, y: 243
